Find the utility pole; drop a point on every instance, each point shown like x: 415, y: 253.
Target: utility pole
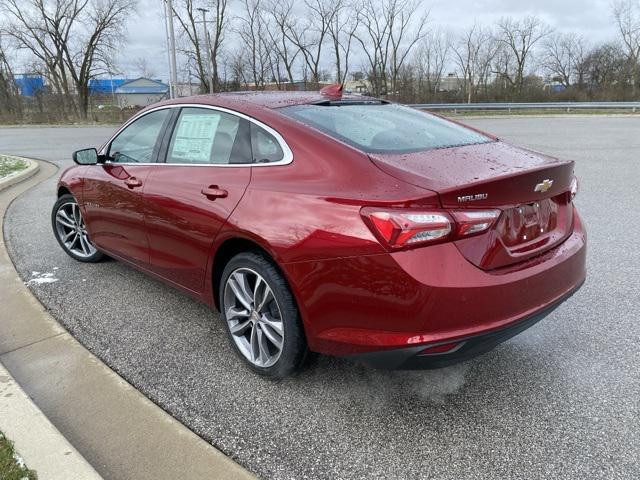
x: 173, y: 83
x: 166, y: 38
x: 207, y: 47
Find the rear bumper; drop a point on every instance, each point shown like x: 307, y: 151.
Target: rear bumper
x: 406, y: 301
x: 466, y: 348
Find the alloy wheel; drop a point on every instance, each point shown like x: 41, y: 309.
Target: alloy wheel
x: 72, y: 231
x: 254, y: 317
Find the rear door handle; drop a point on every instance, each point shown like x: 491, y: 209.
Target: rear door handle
x: 133, y: 182
x: 213, y: 191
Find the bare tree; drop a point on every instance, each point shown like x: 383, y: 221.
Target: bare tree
x: 9, y: 96
x: 310, y: 35
x: 466, y: 50
x: 580, y: 52
x: 236, y: 64
x: 71, y: 42
x: 605, y: 69
x: 389, y: 31
x: 406, y: 31
x: 342, y: 31
x: 432, y: 54
x: 285, y: 49
x: 474, y: 53
x: 518, y: 38
x: 627, y: 17
x: 563, y: 53
x: 252, y: 32
x: 141, y: 64
x: 188, y: 14
x: 372, y: 37
x: 219, y: 8
x: 274, y: 60
x: 74, y: 40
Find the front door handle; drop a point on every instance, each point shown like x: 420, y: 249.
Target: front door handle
x: 132, y: 182
x: 213, y: 191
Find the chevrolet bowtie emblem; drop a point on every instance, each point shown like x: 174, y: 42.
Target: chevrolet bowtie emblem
x: 543, y: 186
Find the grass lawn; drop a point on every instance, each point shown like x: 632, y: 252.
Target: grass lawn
x: 11, y: 465
x: 9, y: 166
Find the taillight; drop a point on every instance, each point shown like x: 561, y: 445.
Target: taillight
x: 470, y: 222
x: 574, y: 188
x: 399, y: 228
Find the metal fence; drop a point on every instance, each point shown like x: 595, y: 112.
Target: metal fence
x: 567, y: 106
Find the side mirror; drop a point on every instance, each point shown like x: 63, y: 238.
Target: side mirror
x: 86, y: 156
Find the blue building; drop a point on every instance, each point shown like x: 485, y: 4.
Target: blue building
x: 105, y: 86
x: 29, y: 84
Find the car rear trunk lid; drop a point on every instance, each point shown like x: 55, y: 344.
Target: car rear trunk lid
x: 531, y: 190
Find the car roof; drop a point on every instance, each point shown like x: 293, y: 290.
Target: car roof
x: 262, y: 99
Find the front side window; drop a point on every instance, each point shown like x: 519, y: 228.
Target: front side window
x: 205, y: 136
x: 135, y: 144
x: 384, y: 128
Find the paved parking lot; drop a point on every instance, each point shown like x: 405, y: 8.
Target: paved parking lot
x: 562, y: 400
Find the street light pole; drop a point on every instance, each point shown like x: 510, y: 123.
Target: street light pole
x: 166, y: 38
x: 172, y: 50
x: 207, y: 47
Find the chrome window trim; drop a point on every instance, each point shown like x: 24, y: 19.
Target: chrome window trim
x: 287, y: 153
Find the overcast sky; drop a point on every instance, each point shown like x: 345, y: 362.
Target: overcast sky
x: 592, y: 18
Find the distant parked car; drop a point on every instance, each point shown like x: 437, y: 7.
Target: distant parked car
x: 331, y: 223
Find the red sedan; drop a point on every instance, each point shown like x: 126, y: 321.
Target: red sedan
x: 339, y: 224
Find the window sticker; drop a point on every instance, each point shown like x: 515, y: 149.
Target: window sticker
x: 194, y: 137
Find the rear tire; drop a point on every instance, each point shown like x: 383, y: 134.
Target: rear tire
x: 70, y: 231
x: 261, y: 316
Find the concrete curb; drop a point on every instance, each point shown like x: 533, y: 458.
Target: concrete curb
x: 36, y: 440
x: 32, y: 168
x: 119, y: 431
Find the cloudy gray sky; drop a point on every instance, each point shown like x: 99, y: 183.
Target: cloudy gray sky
x: 592, y: 18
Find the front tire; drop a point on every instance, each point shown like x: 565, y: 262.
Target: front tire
x: 261, y: 317
x: 70, y: 230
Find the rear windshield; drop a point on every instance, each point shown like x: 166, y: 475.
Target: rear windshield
x: 384, y: 128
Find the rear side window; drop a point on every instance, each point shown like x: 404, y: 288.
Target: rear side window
x: 384, y: 128
x: 266, y: 149
x: 205, y: 136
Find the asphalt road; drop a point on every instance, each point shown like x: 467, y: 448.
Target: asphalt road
x: 561, y: 400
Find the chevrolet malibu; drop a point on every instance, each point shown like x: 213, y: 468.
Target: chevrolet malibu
x: 332, y: 223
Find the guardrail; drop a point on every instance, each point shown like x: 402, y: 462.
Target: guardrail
x: 568, y: 106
